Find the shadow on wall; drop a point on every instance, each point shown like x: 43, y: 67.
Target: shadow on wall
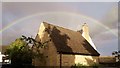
x: 40, y: 59
x: 90, y: 61
x: 60, y: 42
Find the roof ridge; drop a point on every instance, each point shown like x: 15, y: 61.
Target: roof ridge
x: 60, y: 27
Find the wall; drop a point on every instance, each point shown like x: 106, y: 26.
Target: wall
x: 41, y: 30
x: 69, y: 60
x: 86, y: 60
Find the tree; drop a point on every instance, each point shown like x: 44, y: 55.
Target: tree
x: 117, y: 56
x: 21, y: 50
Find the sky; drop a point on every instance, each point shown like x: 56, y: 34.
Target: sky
x: 22, y: 18
x: 0, y: 14
x: 60, y: 0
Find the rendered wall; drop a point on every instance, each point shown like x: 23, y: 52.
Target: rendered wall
x: 41, y: 30
x: 86, y: 60
x: 69, y: 60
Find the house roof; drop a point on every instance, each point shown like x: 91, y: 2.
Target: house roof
x: 68, y: 41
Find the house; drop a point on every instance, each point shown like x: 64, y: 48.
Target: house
x: 67, y: 47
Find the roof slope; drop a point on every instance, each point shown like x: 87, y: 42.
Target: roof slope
x: 69, y: 41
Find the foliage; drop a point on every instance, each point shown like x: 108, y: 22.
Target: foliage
x: 95, y: 65
x: 22, y: 50
x: 84, y: 66
x: 78, y: 66
x: 117, y: 55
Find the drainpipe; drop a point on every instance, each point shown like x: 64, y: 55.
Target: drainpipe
x: 60, y: 59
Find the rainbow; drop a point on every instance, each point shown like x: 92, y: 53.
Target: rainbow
x: 38, y: 14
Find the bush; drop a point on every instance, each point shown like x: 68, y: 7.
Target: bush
x: 95, y: 65
x: 21, y: 51
x: 78, y: 66
x: 84, y: 66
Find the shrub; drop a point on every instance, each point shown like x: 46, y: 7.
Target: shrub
x: 22, y: 51
x: 78, y: 66
x: 95, y: 65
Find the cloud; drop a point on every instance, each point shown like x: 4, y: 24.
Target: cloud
x: 0, y: 15
x: 107, y: 35
x: 0, y: 23
x: 72, y: 19
x: 110, y: 19
x: 106, y: 42
x: 106, y: 47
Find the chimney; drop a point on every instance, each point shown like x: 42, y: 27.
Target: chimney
x: 85, y: 34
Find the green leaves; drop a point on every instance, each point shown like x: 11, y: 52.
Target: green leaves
x: 15, y: 47
x: 78, y: 66
x: 20, y: 50
x: 117, y: 55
